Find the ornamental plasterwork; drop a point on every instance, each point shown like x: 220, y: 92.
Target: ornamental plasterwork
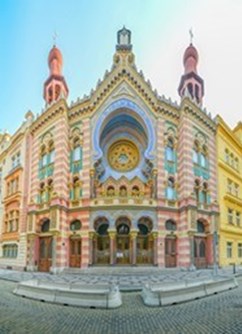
x: 132, y: 215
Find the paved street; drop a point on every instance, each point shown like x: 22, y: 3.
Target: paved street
x: 128, y: 278
x: 220, y: 313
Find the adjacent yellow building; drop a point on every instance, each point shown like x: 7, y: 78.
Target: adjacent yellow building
x: 229, y: 150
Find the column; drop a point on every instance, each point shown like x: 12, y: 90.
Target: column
x: 91, y: 249
x: 191, y: 238
x: 92, y: 174
x: 155, y: 247
x: 112, y: 236
x: 154, y: 192
x: 53, y: 268
x: 133, y: 255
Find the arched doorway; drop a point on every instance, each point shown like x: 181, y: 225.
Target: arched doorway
x: 75, y: 245
x: 200, y: 245
x: 45, y: 247
x: 144, y: 241
x: 170, y: 244
x: 102, y: 243
x: 123, y: 240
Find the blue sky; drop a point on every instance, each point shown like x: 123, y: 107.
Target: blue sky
x: 86, y: 32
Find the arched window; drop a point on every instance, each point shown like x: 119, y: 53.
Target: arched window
x: 76, y: 188
x: 45, y: 227
x: 190, y: 89
x: 76, y: 150
x: 197, y: 189
x: 51, y: 152
x: 103, y: 229
x: 195, y: 153
x: 204, y: 193
x: 49, y: 190
x: 135, y: 191
x: 169, y: 150
x: 170, y: 225
x: 75, y: 225
x: 170, y: 190
x: 123, y: 191
x: 123, y: 226
x: 204, y: 161
x: 44, y: 156
x: 200, y: 227
x: 145, y: 226
x: 42, y: 192
x: 110, y: 191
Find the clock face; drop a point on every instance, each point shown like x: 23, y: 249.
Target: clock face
x: 123, y: 155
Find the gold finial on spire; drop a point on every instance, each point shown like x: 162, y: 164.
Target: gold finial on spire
x: 191, y: 35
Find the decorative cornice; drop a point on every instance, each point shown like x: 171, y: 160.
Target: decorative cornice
x: 53, y: 111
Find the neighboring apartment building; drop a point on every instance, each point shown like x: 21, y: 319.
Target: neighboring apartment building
x: 229, y: 151
x: 14, y: 165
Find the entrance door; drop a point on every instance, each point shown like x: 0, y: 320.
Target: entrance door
x: 103, y: 246
x: 200, y: 252
x: 170, y: 252
x: 123, y: 246
x: 75, y: 253
x: 45, y: 254
x: 144, y: 250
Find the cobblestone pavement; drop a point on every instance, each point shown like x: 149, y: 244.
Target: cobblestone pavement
x: 128, y: 278
x: 220, y: 313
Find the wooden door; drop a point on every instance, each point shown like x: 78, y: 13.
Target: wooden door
x: 123, y: 249
x: 170, y: 252
x: 75, y: 253
x: 144, y: 250
x: 45, y: 254
x: 103, y: 250
x: 200, y: 252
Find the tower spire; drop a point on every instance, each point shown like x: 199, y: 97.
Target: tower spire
x: 190, y: 80
x: 55, y: 86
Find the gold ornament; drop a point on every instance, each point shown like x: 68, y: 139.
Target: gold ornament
x: 123, y: 155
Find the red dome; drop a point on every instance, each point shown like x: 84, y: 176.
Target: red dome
x: 191, y: 51
x: 55, y: 54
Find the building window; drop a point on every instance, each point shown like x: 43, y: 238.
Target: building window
x: 240, y: 250
x: 236, y: 190
x: 10, y: 251
x: 75, y: 225
x: 195, y: 153
x: 229, y: 250
x: 170, y: 190
x: 230, y: 216
x: 229, y: 186
x: 227, y: 156
x: 170, y: 154
x: 200, y: 227
x: 45, y: 227
x: 170, y: 225
x: 237, y: 218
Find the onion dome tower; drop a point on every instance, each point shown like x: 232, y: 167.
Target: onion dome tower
x: 191, y: 81
x: 55, y: 86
